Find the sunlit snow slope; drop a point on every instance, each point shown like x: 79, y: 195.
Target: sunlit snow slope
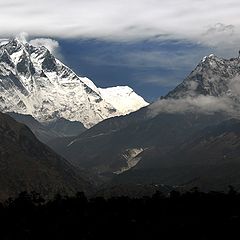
x: 33, y: 81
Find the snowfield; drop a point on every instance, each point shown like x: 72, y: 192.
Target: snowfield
x: 33, y: 81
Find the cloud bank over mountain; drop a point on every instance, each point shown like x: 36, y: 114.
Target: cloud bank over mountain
x: 207, y: 22
x: 200, y: 104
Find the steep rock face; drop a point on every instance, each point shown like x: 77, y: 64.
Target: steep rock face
x: 213, y: 76
x: 28, y: 165
x: 33, y: 81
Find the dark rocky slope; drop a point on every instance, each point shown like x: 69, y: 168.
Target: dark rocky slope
x: 26, y: 164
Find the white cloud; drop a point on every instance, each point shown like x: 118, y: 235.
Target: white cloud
x: 158, y: 80
x: 172, y: 60
x: 156, y: 57
x: 23, y: 37
x: 228, y: 103
x: 50, y: 44
x: 202, y: 104
x: 210, y: 22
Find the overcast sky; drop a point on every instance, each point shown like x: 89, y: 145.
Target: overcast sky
x: 148, y: 44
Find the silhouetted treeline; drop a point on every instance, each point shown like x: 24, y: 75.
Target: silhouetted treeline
x: 191, y: 215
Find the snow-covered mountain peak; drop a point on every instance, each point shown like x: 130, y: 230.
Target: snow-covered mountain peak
x: 209, y: 57
x: 33, y: 81
x: 213, y: 76
x: 122, y: 96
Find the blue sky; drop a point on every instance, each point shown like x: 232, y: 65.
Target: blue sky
x: 150, y: 45
x: 151, y: 68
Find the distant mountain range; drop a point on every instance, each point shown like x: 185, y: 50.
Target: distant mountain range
x: 187, y: 138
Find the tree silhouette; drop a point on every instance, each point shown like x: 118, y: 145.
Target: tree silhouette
x: 188, y: 215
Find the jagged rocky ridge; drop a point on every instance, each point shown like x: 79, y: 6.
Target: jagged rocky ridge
x: 213, y: 76
x: 33, y: 81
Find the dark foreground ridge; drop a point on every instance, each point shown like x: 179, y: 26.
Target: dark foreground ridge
x: 190, y: 215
